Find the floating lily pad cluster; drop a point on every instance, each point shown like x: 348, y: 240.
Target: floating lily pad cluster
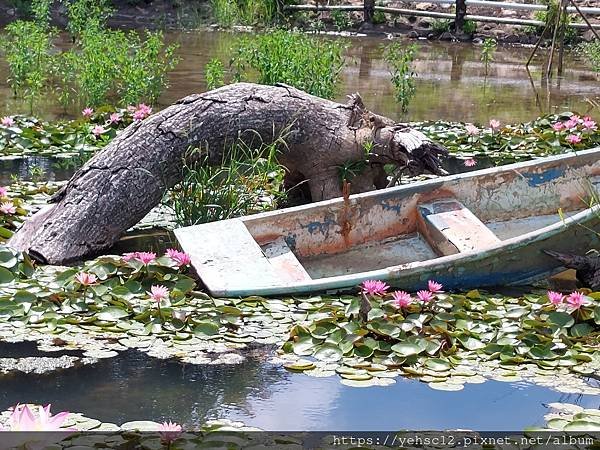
x: 570, y: 417
x: 513, y: 143
x: 12, y: 213
x: 26, y: 136
x: 454, y: 340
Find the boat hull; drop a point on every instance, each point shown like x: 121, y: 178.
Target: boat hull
x: 302, y: 235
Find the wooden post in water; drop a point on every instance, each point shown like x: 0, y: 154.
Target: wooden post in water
x: 369, y: 11
x: 461, y: 12
x: 564, y: 23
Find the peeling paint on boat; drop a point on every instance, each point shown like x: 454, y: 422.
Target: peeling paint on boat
x: 537, y: 179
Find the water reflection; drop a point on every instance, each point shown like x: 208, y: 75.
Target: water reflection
x: 452, y: 83
x: 25, y: 168
x: 135, y: 386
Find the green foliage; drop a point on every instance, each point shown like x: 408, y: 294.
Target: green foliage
x: 400, y: 60
x: 40, y: 10
x: 108, y: 64
x: 549, y: 18
x: 225, y: 12
x: 246, y: 181
x: 306, y: 63
x: 82, y: 13
x: 379, y: 17
x: 245, y: 12
x: 102, y: 64
x: 440, y: 25
x: 27, y: 51
x: 591, y: 52
x: 341, y: 20
x: 215, y: 74
x: 470, y: 27
x: 487, y: 52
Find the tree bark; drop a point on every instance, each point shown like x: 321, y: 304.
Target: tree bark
x: 369, y: 11
x: 461, y: 12
x: 116, y: 188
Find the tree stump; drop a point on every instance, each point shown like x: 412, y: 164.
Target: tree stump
x: 116, y: 188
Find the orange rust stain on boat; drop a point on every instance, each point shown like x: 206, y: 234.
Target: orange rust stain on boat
x: 345, y: 215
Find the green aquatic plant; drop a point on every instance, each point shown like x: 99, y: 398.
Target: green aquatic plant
x: 248, y: 180
x: 400, y: 63
x: 215, y: 74
x: 280, y: 56
x: 27, y: 52
x: 110, y: 64
x: 487, y: 52
x: 86, y: 14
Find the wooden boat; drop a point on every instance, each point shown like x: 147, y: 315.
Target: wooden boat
x: 482, y: 228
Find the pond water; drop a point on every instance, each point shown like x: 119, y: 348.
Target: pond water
x: 25, y: 168
x: 135, y: 386
x: 451, y: 83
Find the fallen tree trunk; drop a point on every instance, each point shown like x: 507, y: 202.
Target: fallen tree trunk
x: 117, y: 187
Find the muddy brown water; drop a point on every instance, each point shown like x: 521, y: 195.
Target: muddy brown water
x: 451, y: 83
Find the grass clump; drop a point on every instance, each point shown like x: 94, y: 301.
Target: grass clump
x: 310, y: 64
x: 247, y: 180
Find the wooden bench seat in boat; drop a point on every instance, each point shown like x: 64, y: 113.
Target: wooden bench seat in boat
x: 450, y: 228
x: 231, y: 259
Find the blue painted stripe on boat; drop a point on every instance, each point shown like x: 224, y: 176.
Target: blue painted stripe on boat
x: 537, y: 179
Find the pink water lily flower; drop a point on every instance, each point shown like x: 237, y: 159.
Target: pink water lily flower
x: 573, y: 139
x: 7, y: 121
x: 24, y: 419
x: 470, y: 162
x: 571, y: 124
x: 401, y: 299
x: 556, y: 298
x: 558, y: 126
x: 158, y: 293
x: 97, y: 130
x: 3, y: 191
x: 87, y: 112
x: 374, y: 287
x: 425, y: 296
x: 145, y: 257
x: 472, y: 129
x: 169, y: 431
x: 180, y: 258
x: 575, y: 118
x: 589, y: 124
x: 114, y: 118
x: 86, y: 279
x: 576, y: 300
x: 129, y: 256
x: 141, y: 112
x: 494, y: 124
x: 8, y: 208
x: 434, y: 287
